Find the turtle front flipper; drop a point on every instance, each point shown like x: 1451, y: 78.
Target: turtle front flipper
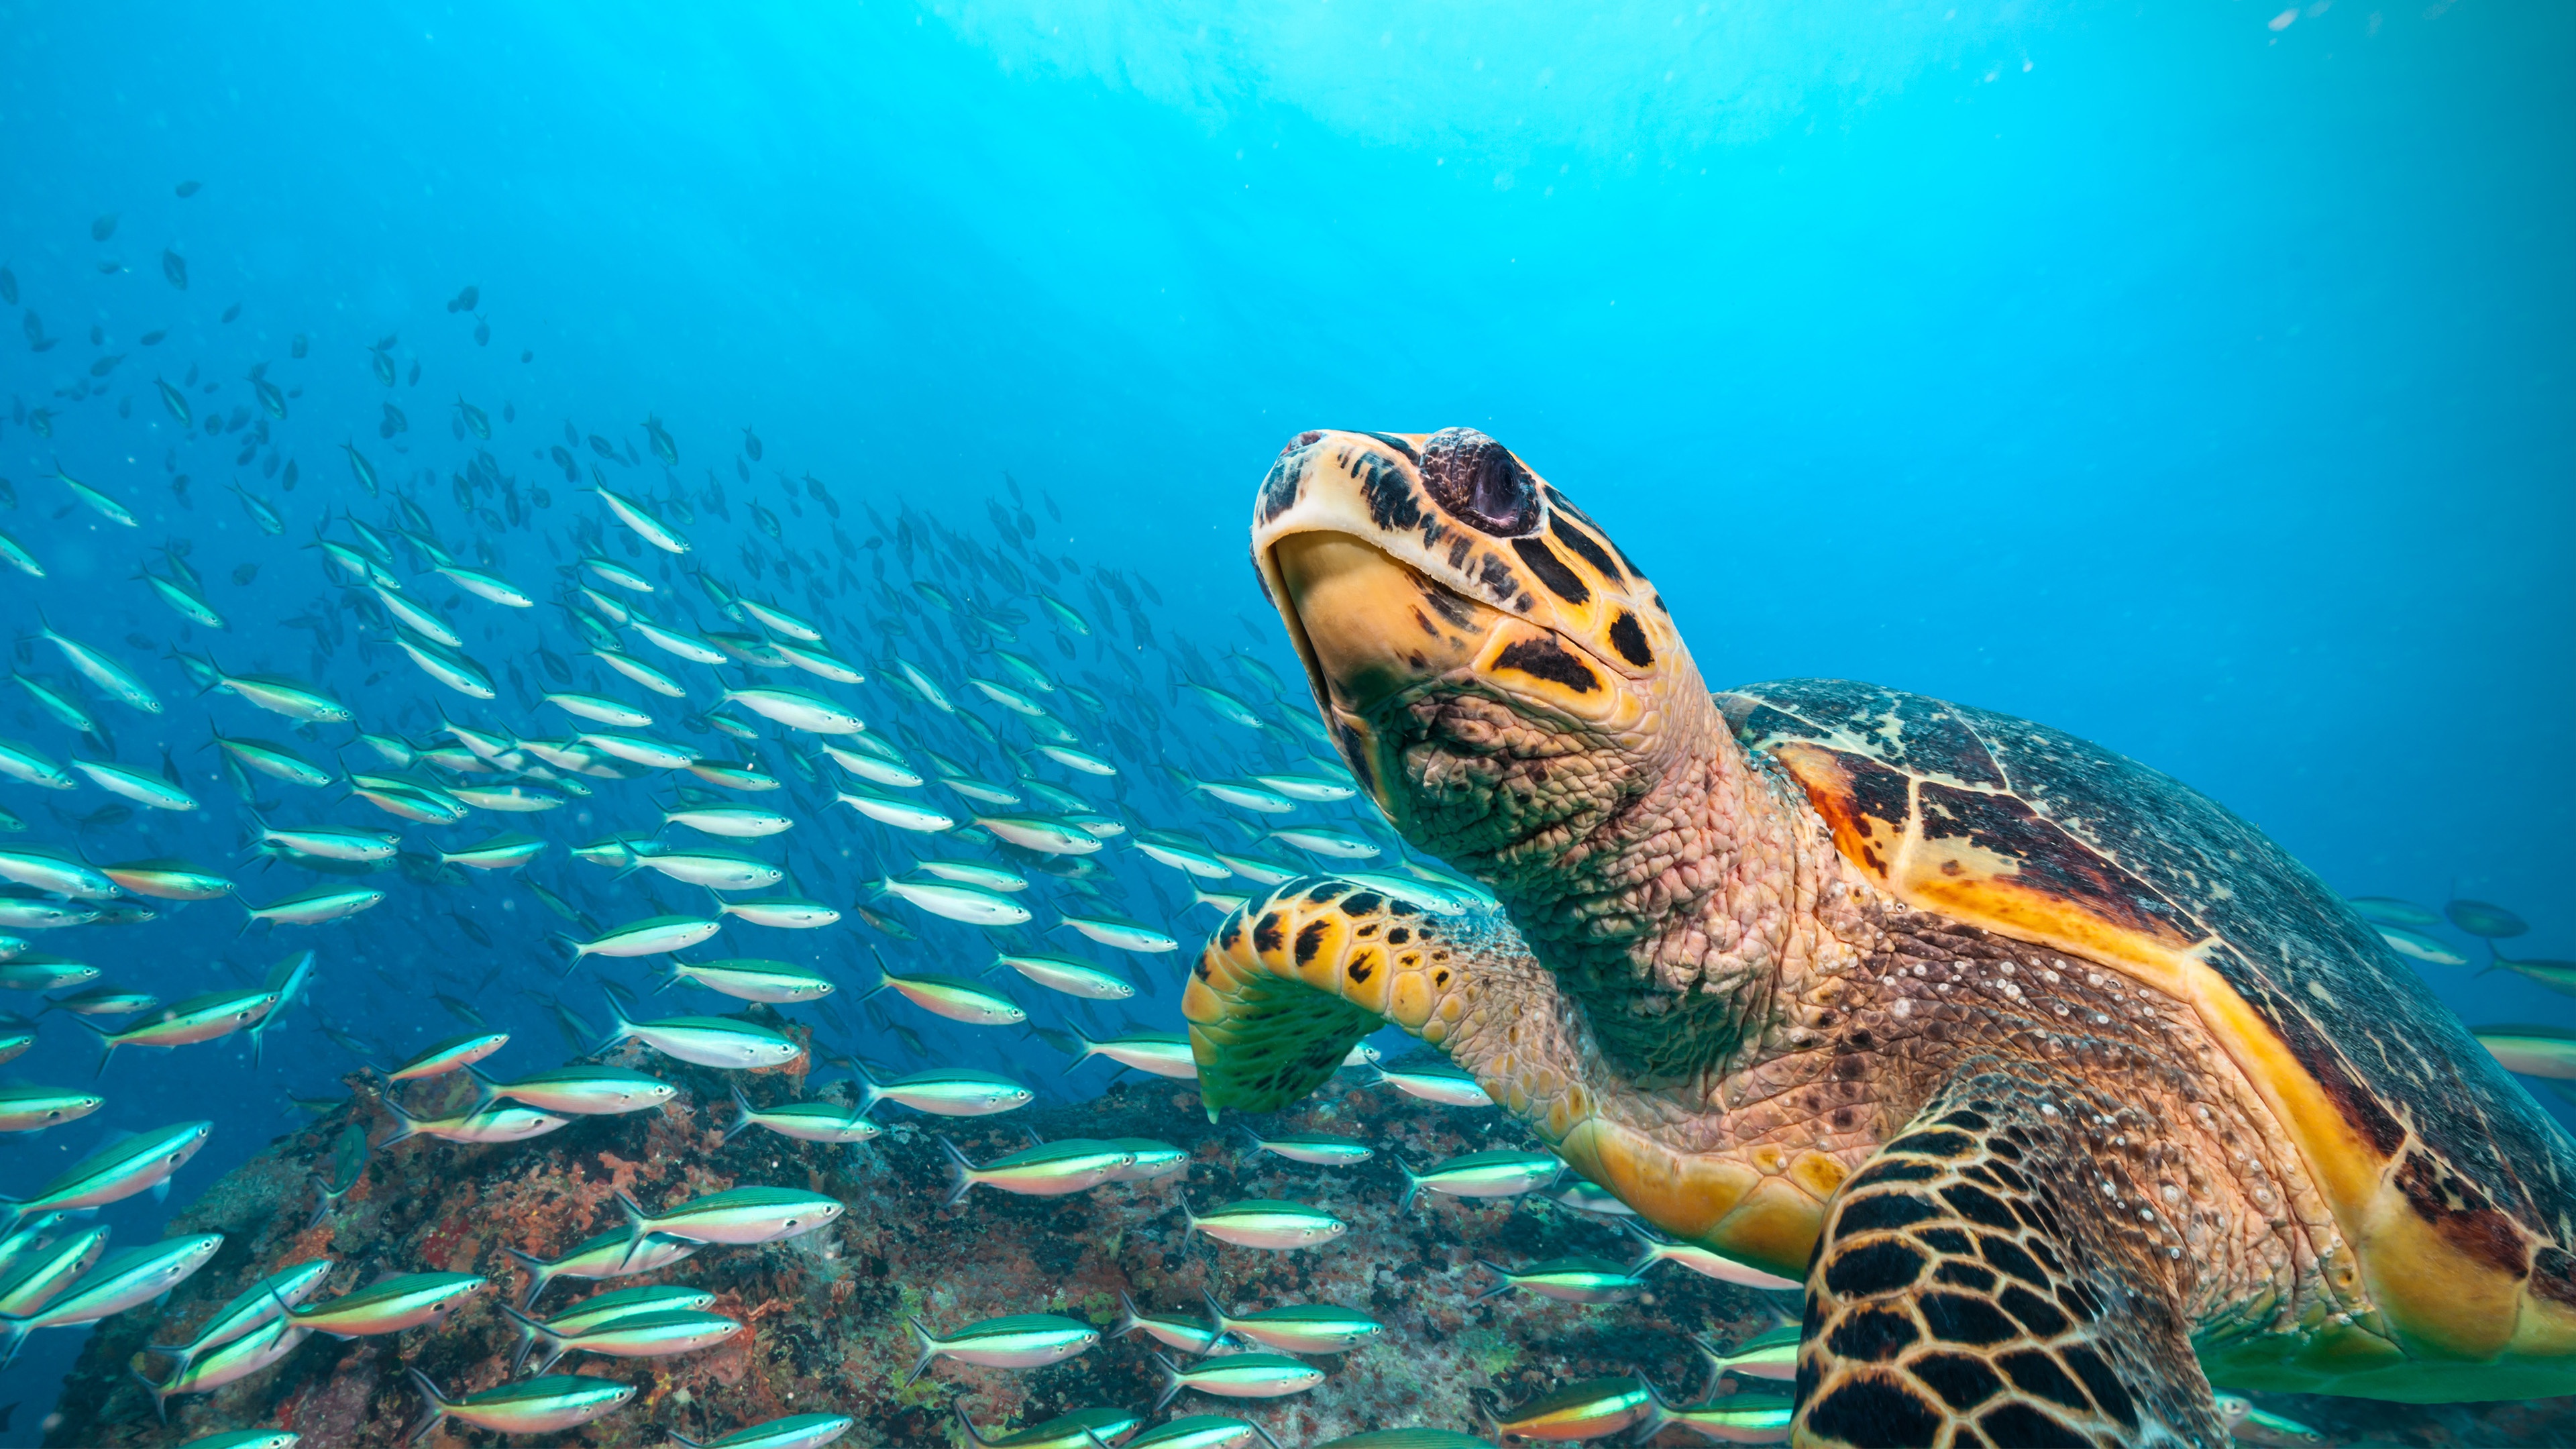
x: 1291, y: 981
x: 1990, y: 1267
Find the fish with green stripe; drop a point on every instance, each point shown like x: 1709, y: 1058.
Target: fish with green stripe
x: 314, y: 907
x: 1315, y: 1149
x: 115, y: 1171
x: 39, y: 1273
x: 263, y: 1301
x: 1589, y: 1409
x: 1158, y: 1053
x: 264, y: 1344
x: 646, y: 1333
x: 1502, y: 1172
x: 524, y: 1406
x: 1048, y: 1169
x: 125, y: 1279
x: 953, y: 997
x: 946, y: 1092
x: 1183, y: 1331
x: 1771, y: 1354
x: 485, y: 1121
x: 1737, y: 1418
x: 795, y: 1431
x: 1021, y: 1340
x: 1567, y: 1280
x: 390, y: 1305
x: 602, y: 1308
x: 195, y: 1019
x: 1202, y: 1431
x: 1069, y: 976
x: 738, y: 1216
x: 581, y: 1090
x: 815, y: 1121
x: 722, y: 1042
x: 616, y: 1253
x: 655, y: 936
x: 1238, y: 1376
x: 33, y: 1109
x: 1307, y: 1328
x: 1267, y: 1223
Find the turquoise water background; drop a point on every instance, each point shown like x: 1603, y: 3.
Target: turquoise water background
x: 2194, y: 377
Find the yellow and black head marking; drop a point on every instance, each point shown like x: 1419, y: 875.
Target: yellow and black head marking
x: 1406, y: 563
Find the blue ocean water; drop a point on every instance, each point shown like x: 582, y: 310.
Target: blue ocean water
x: 2193, y: 378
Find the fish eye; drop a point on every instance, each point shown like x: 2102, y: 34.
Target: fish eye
x: 1478, y: 482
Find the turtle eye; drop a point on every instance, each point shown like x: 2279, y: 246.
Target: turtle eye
x: 1478, y: 482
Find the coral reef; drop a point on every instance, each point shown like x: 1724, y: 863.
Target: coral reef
x: 826, y: 1312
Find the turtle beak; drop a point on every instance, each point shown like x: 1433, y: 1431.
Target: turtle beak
x: 1363, y: 623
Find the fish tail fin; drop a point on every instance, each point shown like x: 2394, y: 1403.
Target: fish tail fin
x: 1084, y: 1048
x: 406, y: 1125
x: 619, y: 1028
x: 1658, y: 1415
x: 1504, y: 1286
x: 639, y: 1226
x: 485, y: 1086
x: 1133, y: 1319
x: 869, y: 1092
x: 106, y: 1044
x: 539, y: 1273
x: 742, y: 1114
x: 973, y: 1438
x: 531, y: 1332
x: 962, y: 1181
x: 159, y: 1390
x: 1412, y: 1183
x: 433, y: 1405
x: 1171, y: 1380
x: 1216, y: 1313
x: 929, y: 1343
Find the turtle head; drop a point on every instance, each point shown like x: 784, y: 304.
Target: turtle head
x: 1493, y: 666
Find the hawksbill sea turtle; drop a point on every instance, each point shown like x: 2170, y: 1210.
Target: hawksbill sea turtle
x: 2067, y: 1092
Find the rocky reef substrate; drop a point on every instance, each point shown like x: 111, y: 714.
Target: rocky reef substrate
x: 826, y: 1313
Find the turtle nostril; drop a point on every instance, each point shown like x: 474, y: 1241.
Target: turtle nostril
x: 1478, y: 482
x: 1306, y: 439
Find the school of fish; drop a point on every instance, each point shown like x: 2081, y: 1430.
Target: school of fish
x: 750, y: 747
